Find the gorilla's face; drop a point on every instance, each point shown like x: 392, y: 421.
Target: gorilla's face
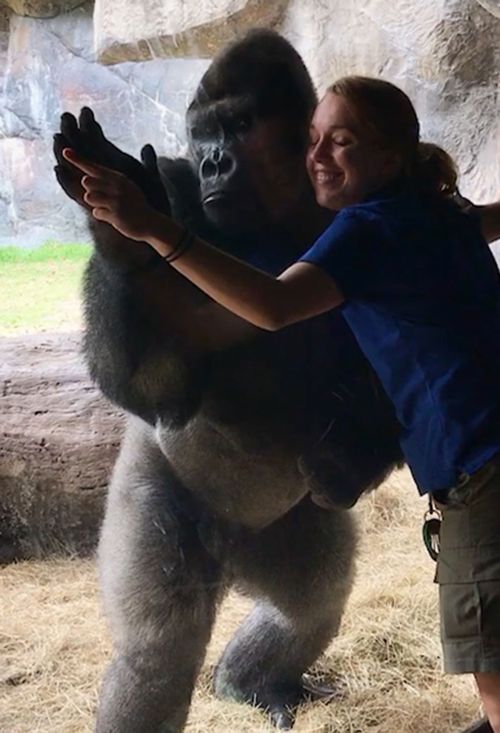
x: 251, y: 172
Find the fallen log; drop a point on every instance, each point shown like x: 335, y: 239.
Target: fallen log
x: 59, y: 440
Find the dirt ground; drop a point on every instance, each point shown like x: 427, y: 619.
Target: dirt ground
x: 386, y: 661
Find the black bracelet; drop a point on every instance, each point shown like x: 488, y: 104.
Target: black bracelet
x: 186, y: 245
x: 185, y: 241
x: 178, y: 245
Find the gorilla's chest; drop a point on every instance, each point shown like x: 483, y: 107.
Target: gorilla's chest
x: 263, y: 404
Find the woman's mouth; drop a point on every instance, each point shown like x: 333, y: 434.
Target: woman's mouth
x: 325, y: 178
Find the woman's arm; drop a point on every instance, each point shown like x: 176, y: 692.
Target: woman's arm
x: 300, y: 292
x: 490, y: 220
x: 489, y: 216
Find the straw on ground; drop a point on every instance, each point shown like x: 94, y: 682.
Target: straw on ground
x: 386, y: 661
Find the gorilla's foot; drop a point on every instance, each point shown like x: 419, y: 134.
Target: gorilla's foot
x: 280, y: 701
x: 310, y: 689
x: 317, y: 689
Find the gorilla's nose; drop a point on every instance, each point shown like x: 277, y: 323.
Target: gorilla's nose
x: 217, y: 163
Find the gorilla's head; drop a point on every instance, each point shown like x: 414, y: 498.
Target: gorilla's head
x: 248, y: 130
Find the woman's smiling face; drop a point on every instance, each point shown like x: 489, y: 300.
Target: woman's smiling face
x: 343, y: 164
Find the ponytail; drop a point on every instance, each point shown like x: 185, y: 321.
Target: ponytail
x: 434, y: 170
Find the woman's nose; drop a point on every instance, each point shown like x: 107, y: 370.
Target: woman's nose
x: 320, y: 150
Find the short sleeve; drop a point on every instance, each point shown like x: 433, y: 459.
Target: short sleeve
x: 351, y: 252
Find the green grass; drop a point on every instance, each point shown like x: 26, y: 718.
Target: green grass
x: 48, y: 252
x: 40, y: 288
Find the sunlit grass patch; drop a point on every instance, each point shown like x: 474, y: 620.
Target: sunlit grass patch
x: 40, y: 288
x: 48, y: 252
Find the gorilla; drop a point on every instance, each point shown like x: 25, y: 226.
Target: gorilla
x: 229, y: 428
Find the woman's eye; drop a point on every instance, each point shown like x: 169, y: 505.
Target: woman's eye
x: 342, y: 141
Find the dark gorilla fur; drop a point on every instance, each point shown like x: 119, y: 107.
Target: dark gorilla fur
x: 207, y: 490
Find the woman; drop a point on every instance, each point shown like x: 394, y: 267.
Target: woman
x: 420, y: 290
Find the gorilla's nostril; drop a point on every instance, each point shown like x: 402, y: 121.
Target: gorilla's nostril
x: 208, y: 169
x: 226, y: 163
x: 217, y: 163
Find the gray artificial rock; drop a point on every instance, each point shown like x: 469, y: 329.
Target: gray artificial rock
x: 127, y: 30
x: 42, y: 8
x: 47, y: 67
x: 446, y: 55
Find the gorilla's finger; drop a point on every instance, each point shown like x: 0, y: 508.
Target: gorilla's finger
x: 69, y: 125
x: 149, y: 158
x: 154, y: 190
x: 313, y: 689
x: 281, y: 717
x: 71, y: 131
x: 89, y: 125
x: 66, y: 177
x: 60, y: 142
x: 69, y: 184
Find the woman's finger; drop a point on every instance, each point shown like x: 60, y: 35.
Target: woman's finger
x: 100, y: 185
x: 91, y: 169
x: 102, y: 214
x: 99, y: 198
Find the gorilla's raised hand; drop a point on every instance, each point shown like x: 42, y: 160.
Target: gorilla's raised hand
x: 86, y: 137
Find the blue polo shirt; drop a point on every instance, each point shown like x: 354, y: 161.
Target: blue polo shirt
x: 422, y: 296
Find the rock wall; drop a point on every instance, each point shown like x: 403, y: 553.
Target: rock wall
x: 444, y: 53
x: 127, y: 29
x: 493, y: 6
x: 41, y: 8
x: 48, y: 66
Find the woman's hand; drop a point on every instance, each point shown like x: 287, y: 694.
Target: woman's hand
x: 114, y: 199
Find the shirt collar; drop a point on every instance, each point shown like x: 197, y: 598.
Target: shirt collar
x: 389, y: 190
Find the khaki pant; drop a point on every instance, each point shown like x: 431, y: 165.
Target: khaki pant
x: 468, y: 573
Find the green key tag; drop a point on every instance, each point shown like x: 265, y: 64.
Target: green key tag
x: 430, y: 533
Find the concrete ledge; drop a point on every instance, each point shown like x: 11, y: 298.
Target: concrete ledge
x: 493, y: 6
x: 126, y: 30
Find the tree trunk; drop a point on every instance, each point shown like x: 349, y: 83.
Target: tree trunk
x: 59, y: 442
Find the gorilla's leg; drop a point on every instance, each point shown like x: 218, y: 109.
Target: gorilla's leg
x: 301, y: 569
x: 160, y: 591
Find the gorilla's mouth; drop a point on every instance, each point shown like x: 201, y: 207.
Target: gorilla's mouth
x: 230, y: 210
x: 218, y: 198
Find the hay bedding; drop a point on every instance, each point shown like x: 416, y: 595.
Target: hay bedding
x: 53, y: 643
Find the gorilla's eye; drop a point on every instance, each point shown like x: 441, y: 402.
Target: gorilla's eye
x: 199, y: 132
x: 239, y: 125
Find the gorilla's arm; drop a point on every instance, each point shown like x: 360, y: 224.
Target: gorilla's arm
x: 143, y: 368
x: 146, y: 365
